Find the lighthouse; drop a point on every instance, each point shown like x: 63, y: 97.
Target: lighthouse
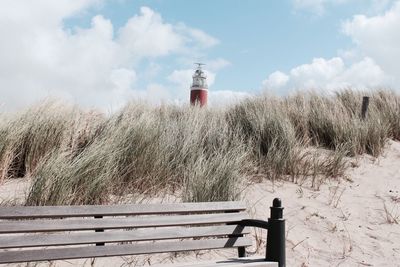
x: 199, y: 88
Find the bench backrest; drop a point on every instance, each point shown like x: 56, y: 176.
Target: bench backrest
x: 81, y: 231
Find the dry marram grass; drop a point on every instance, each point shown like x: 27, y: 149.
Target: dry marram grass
x: 86, y: 157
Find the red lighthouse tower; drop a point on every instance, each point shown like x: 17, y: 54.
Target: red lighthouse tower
x: 199, y: 88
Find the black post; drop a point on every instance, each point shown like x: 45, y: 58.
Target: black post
x: 276, y: 234
x: 241, y: 251
x: 99, y: 230
x: 364, y: 107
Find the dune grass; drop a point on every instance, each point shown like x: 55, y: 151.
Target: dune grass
x: 146, y: 150
x: 30, y: 135
x: 86, y: 157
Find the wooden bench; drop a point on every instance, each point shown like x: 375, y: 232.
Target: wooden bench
x: 30, y: 233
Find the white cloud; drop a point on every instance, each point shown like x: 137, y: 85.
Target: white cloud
x: 318, y: 72
x: 373, y: 62
x: 94, y: 66
x: 146, y: 35
x: 197, y: 36
x: 222, y: 98
x: 123, y: 79
x: 378, y: 37
x: 328, y: 75
x: 45, y: 13
x: 151, y: 71
x: 276, y: 80
x: 155, y: 94
x: 378, y: 6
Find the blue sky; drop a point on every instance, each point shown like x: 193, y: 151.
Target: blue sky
x: 257, y: 37
x: 101, y: 53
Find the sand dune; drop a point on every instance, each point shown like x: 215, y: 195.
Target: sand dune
x: 353, y: 221
x: 350, y: 222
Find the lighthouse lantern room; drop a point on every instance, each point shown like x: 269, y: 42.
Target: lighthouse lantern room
x: 199, y: 88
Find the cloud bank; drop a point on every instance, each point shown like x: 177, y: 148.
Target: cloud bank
x: 93, y: 66
x: 372, y: 62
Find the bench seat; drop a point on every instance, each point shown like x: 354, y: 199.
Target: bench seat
x: 30, y: 234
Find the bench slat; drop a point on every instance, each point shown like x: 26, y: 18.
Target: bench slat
x: 120, y: 250
x: 243, y: 262
x: 118, y: 223
x: 117, y: 210
x: 43, y: 240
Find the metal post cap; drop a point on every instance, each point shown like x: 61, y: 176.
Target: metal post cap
x: 277, y: 203
x: 276, y: 209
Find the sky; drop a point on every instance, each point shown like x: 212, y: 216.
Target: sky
x: 103, y: 53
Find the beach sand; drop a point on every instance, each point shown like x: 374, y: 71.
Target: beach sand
x: 351, y: 221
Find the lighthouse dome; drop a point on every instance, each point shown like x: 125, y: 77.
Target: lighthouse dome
x: 199, y: 79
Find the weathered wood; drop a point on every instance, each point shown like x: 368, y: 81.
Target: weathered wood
x: 118, y: 210
x: 250, y: 264
x: 364, y: 107
x: 187, y: 227
x: 120, y: 250
x: 245, y: 262
x: 43, y: 240
x: 237, y: 264
x: 118, y: 223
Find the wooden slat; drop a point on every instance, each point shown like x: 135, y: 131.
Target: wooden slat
x: 120, y: 250
x: 243, y: 262
x: 116, y: 210
x: 43, y: 240
x: 117, y: 223
x: 238, y: 264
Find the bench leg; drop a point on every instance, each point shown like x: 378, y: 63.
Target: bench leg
x: 241, y: 252
x: 276, y: 234
x: 99, y: 230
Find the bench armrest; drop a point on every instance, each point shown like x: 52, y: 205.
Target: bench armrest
x: 254, y: 223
